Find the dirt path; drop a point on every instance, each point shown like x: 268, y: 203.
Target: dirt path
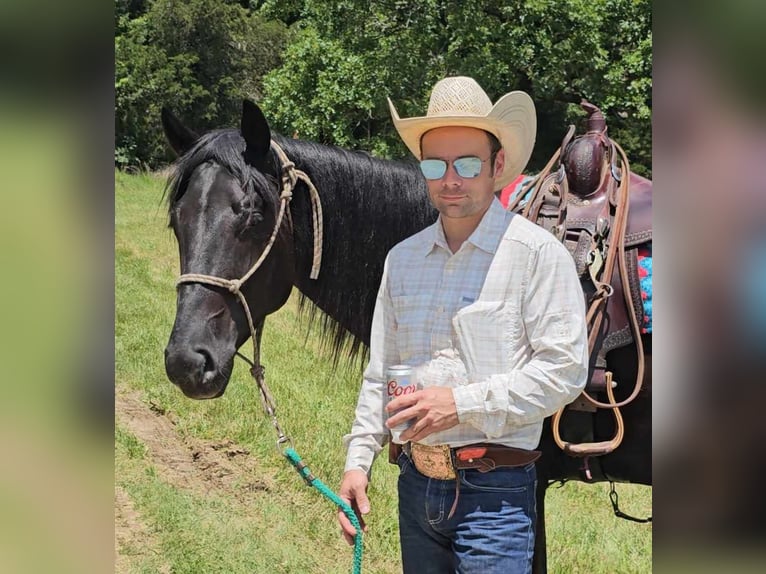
x: 187, y: 464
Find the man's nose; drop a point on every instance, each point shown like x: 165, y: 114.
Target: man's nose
x: 450, y: 176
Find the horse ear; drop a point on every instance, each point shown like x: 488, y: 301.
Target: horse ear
x: 255, y: 130
x: 180, y: 137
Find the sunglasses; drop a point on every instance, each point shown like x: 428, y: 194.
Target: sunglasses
x: 467, y: 167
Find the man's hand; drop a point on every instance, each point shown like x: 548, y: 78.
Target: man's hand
x: 433, y: 407
x: 353, y: 490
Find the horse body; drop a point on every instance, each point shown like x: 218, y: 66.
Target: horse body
x: 223, y: 202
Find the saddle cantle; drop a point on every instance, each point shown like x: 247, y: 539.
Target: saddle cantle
x: 591, y: 201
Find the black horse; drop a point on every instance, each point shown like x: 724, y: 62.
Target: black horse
x: 224, y: 201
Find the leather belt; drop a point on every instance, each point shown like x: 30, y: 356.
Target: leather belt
x: 442, y: 462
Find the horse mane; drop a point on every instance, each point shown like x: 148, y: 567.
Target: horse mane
x: 369, y: 205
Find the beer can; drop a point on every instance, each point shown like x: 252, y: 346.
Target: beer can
x: 399, y: 383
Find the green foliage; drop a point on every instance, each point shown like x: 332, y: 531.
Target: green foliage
x: 349, y: 56
x: 200, y: 57
x: 327, y: 77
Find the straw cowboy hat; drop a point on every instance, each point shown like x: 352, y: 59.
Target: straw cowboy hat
x: 460, y: 101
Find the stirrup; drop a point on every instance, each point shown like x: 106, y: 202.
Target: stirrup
x: 591, y: 448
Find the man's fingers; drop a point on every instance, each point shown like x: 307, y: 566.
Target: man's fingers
x: 345, y: 523
x: 353, y: 492
x: 416, y: 432
x: 403, y: 402
x: 401, y: 417
x: 347, y: 529
x: 361, y: 504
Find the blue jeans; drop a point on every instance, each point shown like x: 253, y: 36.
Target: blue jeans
x: 491, y: 531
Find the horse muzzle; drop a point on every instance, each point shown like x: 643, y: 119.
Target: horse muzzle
x: 196, y: 371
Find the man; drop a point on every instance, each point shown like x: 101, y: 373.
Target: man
x: 487, y: 308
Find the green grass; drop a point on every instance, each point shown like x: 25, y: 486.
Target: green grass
x: 289, y: 528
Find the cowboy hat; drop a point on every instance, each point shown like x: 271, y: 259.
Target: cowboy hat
x: 460, y: 101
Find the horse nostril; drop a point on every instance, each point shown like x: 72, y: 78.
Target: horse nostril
x: 185, y: 365
x: 209, y: 365
x: 195, y: 370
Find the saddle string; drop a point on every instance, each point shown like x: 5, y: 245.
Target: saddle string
x: 526, y: 213
x: 615, y: 253
x: 290, y: 176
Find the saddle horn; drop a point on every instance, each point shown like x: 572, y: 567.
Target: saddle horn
x: 584, y: 157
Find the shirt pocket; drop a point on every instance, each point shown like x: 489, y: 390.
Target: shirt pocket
x: 412, y: 324
x: 488, y: 332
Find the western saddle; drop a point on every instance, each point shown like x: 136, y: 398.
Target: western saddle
x: 591, y: 201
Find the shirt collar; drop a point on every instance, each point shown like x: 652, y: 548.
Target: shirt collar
x: 434, y: 237
x: 485, y: 237
x: 491, y: 228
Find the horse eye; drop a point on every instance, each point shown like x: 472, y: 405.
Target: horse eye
x: 249, y: 206
x: 249, y: 212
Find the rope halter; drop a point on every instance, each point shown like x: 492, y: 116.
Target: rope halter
x: 290, y: 177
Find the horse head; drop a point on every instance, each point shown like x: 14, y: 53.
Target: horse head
x: 223, y: 205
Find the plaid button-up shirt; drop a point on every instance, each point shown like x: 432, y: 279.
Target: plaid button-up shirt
x: 513, y: 356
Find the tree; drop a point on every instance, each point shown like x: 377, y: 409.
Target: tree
x: 201, y: 57
x: 328, y: 76
x: 347, y: 56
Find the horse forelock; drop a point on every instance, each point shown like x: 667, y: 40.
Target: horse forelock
x: 224, y: 148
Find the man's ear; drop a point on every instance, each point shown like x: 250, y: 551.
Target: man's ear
x: 499, y: 163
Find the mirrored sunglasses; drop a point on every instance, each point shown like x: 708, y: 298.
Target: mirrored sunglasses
x: 467, y: 167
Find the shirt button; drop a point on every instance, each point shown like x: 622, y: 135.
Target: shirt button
x: 440, y: 309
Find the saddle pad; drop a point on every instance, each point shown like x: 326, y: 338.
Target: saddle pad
x: 645, y: 280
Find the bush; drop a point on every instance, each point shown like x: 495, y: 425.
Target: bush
x: 199, y: 57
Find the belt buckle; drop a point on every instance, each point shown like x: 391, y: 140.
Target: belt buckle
x: 434, y: 461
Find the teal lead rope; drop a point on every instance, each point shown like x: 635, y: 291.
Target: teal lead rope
x: 311, y: 480
x: 258, y: 371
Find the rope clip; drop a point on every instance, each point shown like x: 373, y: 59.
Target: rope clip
x: 283, y: 443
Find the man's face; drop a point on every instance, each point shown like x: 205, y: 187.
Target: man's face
x: 452, y: 195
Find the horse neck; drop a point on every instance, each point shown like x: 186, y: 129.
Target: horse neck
x: 368, y: 206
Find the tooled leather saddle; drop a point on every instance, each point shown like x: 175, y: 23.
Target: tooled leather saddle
x: 591, y: 201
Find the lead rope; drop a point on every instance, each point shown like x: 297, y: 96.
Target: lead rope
x: 285, y: 447
x: 290, y: 176
x: 311, y: 480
